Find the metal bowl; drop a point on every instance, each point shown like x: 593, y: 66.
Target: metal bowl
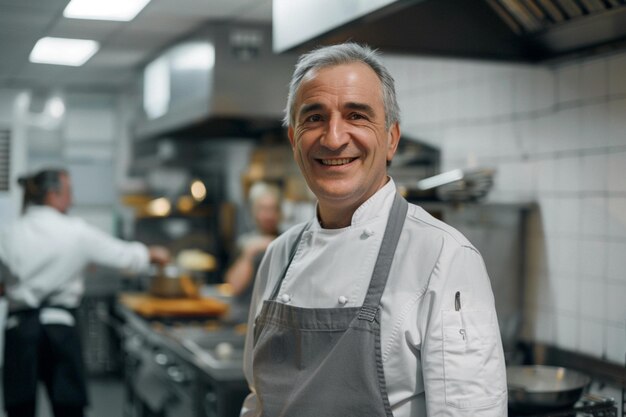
x: 543, y: 388
x: 170, y: 282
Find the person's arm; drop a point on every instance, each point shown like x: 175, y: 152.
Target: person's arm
x: 462, y: 357
x: 103, y: 249
x: 242, y: 271
x: 159, y: 254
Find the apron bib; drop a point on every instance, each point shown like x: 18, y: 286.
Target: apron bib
x: 312, y: 362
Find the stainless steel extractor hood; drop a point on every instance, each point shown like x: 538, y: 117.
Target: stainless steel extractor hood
x: 515, y: 30
x: 223, y: 81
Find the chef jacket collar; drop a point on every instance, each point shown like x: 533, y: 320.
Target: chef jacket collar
x: 379, y: 203
x: 36, y: 209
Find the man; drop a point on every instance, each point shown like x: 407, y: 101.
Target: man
x: 373, y: 308
x: 265, y: 205
x: 42, y: 257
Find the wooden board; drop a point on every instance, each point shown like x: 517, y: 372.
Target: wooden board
x: 149, y: 306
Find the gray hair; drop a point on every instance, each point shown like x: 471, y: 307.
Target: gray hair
x: 344, y: 53
x: 262, y: 189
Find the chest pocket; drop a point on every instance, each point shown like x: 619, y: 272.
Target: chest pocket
x: 472, y: 359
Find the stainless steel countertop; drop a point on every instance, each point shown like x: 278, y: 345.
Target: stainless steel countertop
x: 212, y: 346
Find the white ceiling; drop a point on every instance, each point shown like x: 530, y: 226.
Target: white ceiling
x: 125, y: 46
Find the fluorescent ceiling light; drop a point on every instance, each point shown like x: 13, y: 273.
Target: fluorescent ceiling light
x: 119, y: 10
x: 197, y: 56
x: 62, y: 51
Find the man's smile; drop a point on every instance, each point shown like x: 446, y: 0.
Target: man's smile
x: 336, y: 161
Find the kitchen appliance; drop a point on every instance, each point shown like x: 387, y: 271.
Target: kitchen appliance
x: 182, y: 366
x: 518, y: 30
x: 544, y: 388
x: 157, y: 382
x: 218, y: 350
x: 223, y: 81
x: 459, y: 184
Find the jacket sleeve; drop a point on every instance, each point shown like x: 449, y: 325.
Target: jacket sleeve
x: 462, y: 357
x: 107, y: 250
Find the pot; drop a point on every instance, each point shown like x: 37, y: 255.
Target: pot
x: 169, y: 281
x: 543, y: 388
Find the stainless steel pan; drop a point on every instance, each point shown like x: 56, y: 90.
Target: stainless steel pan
x: 539, y: 388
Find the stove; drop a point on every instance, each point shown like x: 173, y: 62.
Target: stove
x: 588, y: 406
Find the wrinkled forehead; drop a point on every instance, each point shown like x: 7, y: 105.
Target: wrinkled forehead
x: 349, y: 78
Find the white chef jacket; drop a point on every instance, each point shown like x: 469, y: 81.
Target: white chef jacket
x: 437, y: 361
x: 46, y: 251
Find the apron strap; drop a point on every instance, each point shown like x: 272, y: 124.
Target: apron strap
x: 294, y: 249
x: 388, y: 246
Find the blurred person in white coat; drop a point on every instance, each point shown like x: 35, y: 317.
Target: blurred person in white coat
x: 42, y: 257
x: 373, y: 307
x: 265, y: 205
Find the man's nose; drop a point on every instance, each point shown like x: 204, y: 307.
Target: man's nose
x: 336, y: 134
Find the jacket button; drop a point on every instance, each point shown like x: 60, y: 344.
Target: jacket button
x: 367, y: 232
x: 285, y: 298
x: 342, y: 299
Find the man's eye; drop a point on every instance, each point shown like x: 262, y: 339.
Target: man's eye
x: 356, y: 116
x: 313, y: 118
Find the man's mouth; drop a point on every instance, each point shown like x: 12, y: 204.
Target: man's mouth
x: 336, y: 161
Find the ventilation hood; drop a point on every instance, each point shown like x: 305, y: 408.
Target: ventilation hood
x: 513, y: 30
x: 223, y: 81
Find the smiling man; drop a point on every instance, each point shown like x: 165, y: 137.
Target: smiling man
x: 372, y: 308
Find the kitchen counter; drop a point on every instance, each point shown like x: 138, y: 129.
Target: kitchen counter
x: 196, y: 360
x: 208, y: 345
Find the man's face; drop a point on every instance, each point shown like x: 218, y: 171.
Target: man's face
x: 267, y: 214
x: 339, y: 137
x: 61, y: 199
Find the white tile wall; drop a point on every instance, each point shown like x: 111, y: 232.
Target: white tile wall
x: 594, y: 219
x: 616, y: 217
x: 594, y: 175
x: 594, y: 135
x: 594, y: 79
x: 566, y: 294
x: 557, y: 136
x: 592, y: 259
x: 568, y: 220
x: 616, y: 343
x: 616, y: 131
x: 567, y: 331
x: 592, y: 304
x: 568, y: 83
x: 616, y: 172
x: 616, y: 307
x: 617, y: 68
x: 591, y: 338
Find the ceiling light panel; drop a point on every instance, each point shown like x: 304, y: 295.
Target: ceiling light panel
x: 118, y: 10
x: 63, y: 51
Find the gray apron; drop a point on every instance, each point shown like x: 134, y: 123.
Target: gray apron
x: 313, y: 362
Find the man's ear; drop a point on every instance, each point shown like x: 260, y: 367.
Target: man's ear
x: 290, y: 134
x: 393, y: 138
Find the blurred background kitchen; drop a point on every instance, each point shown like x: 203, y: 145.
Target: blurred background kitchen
x: 166, y: 116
